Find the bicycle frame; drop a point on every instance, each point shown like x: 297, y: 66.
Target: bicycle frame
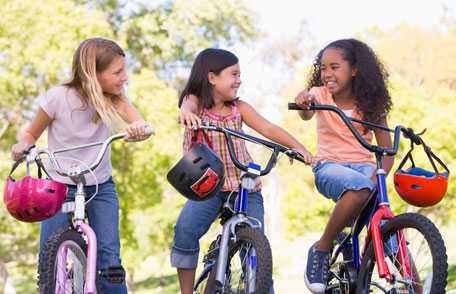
x: 381, y: 211
x: 229, y: 228
x: 77, y: 207
x: 252, y: 170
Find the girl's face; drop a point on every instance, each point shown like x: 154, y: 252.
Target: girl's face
x: 226, y: 84
x: 113, y: 78
x: 335, y: 72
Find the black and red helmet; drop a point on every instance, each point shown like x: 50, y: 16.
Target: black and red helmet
x: 199, y: 174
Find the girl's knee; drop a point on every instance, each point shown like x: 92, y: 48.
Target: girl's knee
x: 362, y: 196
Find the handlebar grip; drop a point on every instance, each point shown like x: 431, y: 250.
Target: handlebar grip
x: 294, y: 106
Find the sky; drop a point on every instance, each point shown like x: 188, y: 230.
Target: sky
x: 326, y: 21
x: 334, y: 19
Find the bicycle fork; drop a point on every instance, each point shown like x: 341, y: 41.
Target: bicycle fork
x: 228, y: 231
x: 91, y: 239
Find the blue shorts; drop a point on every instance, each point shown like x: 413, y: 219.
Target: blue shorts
x: 333, y: 179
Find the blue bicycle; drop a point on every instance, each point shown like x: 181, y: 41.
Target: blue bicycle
x: 401, y: 254
x: 239, y: 260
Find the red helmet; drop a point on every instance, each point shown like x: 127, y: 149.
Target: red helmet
x: 420, y: 187
x: 32, y: 200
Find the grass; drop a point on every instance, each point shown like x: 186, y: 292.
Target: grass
x: 163, y: 284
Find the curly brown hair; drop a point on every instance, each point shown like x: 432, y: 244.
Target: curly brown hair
x: 369, y: 86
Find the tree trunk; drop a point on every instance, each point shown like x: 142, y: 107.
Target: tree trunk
x: 6, y: 284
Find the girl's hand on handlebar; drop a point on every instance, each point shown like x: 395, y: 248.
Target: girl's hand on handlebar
x: 304, y: 99
x: 189, y: 119
x: 138, y: 131
x: 18, y: 150
x: 307, y: 156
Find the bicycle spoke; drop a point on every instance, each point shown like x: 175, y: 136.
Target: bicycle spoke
x: 69, y: 270
x: 419, y: 257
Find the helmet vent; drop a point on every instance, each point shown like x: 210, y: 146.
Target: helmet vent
x: 416, y: 187
x: 26, y: 212
x: 199, y: 158
x: 49, y: 190
x: 36, y: 209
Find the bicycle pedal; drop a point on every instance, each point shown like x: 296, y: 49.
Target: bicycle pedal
x: 114, y: 274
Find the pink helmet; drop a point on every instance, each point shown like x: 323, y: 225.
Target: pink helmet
x: 32, y: 200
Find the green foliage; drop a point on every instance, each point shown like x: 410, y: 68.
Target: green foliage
x: 173, y: 32
x: 37, y: 40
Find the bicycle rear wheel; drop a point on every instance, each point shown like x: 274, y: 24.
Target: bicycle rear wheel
x: 426, y: 255
x: 62, y: 264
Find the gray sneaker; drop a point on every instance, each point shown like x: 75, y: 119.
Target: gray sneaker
x: 316, y: 274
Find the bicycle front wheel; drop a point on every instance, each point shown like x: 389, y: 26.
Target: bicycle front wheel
x: 62, y: 264
x: 249, y: 263
x: 426, y: 254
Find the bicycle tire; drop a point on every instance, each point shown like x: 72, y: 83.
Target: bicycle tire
x: 49, y: 261
x: 437, y: 250
x: 263, y: 273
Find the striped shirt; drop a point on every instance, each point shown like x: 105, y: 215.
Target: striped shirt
x: 231, y: 121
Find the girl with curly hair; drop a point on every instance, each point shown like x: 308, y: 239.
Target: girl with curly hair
x: 347, y: 74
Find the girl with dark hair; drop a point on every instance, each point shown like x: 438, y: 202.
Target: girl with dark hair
x: 211, y: 96
x: 347, y: 74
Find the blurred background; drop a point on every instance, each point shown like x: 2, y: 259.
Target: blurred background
x: 276, y: 42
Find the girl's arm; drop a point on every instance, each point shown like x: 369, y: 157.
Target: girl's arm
x: 31, y: 134
x: 188, y: 114
x: 136, y: 128
x: 271, y: 131
x: 383, y: 139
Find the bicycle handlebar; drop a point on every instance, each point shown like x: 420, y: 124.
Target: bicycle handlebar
x: 35, y: 152
x: 408, y: 133
x: 277, y: 148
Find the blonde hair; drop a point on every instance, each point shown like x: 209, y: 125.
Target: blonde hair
x: 93, y: 56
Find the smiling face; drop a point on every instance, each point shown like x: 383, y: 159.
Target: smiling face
x: 336, y: 73
x: 226, y: 84
x: 114, y: 77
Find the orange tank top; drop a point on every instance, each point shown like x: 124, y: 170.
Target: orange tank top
x: 334, y: 139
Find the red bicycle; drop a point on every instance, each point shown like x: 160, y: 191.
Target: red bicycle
x: 403, y: 253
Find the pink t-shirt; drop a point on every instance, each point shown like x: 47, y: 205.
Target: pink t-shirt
x: 335, y: 141
x: 72, y: 125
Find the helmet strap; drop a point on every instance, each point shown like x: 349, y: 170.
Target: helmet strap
x: 201, y: 137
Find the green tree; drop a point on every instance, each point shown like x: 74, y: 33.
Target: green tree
x: 37, y: 41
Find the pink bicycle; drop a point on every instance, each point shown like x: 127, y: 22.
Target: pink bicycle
x: 68, y: 262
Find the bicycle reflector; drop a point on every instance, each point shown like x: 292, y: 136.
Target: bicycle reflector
x: 199, y: 174
x: 30, y: 199
x: 420, y: 187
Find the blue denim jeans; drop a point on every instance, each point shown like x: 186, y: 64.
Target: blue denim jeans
x: 333, y: 179
x: 194, y: 221
x: 103, y: 215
